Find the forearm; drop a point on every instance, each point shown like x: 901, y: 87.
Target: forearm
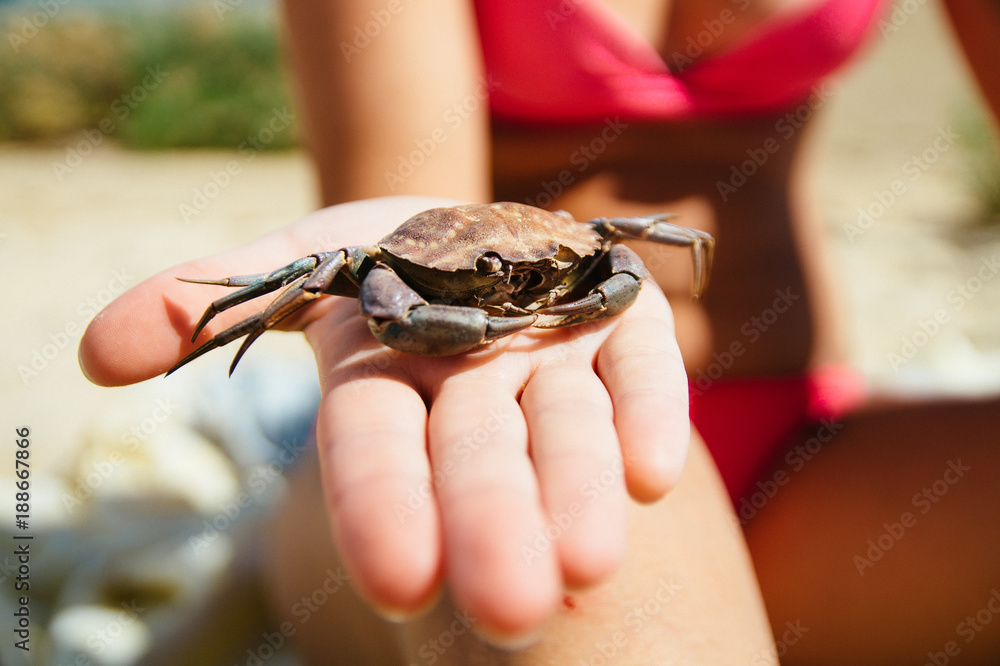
x: 393, y: 96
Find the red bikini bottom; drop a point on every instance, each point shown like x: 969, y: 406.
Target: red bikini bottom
x: 748, y: 423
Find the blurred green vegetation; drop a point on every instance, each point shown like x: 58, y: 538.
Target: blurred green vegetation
x: 981, y: 147
x: 192, y: 77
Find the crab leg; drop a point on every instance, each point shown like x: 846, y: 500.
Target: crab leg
x: 655, y: 228
x: 309, y: 285
x: 255, y: 285
x: 609, y: 298
x: 224, y: 338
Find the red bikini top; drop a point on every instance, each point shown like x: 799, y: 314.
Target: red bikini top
x: 566, y: 61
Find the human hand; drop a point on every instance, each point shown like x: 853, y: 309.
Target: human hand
x: 504, y: 472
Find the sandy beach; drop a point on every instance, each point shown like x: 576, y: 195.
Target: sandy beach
x: 80, y: 224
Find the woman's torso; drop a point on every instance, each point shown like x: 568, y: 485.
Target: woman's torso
x: 766, y: 310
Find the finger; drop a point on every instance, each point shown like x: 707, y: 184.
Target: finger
x: 379, y: 491
x: 490, y: 509
x: 642, y: 368
x: 147, y: 329
x: 578, y: 461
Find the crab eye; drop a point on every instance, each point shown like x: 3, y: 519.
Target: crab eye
x: 488, y: 263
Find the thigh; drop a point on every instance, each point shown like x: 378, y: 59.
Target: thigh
x: 686, y: 593
x: 883, y: 544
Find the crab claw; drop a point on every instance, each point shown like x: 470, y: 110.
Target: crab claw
x: 310, y: 278
x: 254, y: 286
x: 293, y: 299
x: 399, y: 318
x: 251, y: 327
x: 290, y: 301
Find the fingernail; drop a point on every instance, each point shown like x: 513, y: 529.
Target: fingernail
x: 401, y: 615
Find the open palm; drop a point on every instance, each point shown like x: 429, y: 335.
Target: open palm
x: 504, y: 472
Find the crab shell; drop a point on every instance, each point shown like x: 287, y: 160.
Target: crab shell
x: 482, y: 254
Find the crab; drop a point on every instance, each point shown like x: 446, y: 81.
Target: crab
x: 450, y: 280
